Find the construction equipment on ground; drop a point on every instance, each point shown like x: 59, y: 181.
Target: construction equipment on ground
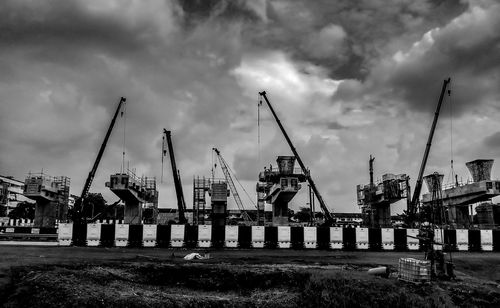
x: 181, y: 203
x: 232, y: 187
x: 329, y: 219
x: 413, y: 204
x: 78, y: 208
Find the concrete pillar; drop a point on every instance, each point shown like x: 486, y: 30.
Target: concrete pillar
x: 133, y: 212
x: 280, y: 213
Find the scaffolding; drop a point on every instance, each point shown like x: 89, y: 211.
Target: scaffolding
x: 200, y: 187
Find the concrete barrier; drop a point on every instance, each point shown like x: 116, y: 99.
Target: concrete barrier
x: 258, y: 236
x: 336, y: 238
x: 438, y: 239
x: 149, y: 235
x: 204, y: 236
x: 462, y: 239
x: 177, y: 235
x: 65, y: 234
x: 284, y: 237
x: 412, y: 242
x: 121, y: 235
x: 362, y: 241
x: 486, y: 240
x: 231, y: 237
x: 387, y: 239
x: 310, y: 238
x: 93, y: 234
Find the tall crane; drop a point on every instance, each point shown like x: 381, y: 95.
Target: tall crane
x: 412, y: 210
x: 88, y: 182
x: 232, y: 187
x: 328, y: 216
x: 181, y: 203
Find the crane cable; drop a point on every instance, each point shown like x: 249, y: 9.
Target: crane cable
x: 452, y: 175
x: 259, y: 104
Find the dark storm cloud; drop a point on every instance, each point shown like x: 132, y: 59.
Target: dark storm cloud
x: 194, y: 67
x: 492, y: 141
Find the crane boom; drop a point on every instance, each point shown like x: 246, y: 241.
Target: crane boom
x: 90, y: 178
x: 181, y: 203
x: 324, y: 208
x: 418, y: 185
x: 232, y: 187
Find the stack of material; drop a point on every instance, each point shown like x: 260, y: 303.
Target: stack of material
x: 414, y: 270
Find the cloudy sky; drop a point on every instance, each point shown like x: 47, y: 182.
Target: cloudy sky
x: 348, y: 79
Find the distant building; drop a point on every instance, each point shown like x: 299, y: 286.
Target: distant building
x: 11, y: 194
x: 349, y: 219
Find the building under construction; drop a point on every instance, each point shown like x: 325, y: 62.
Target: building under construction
x: 139, y: 194
x: 51, y: 195
x: 458, y: 200
x: 278, y: 186
x: 375, y: 199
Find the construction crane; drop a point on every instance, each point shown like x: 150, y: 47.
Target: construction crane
x: 181, y: 203
x: 232, y: 187
x: 328, y: 216
x: 413, y: 205
x: 88, y: 182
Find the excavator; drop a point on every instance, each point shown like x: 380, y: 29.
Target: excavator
x: 78, y: 208
x: 181, y: 203
x: 329, y: 219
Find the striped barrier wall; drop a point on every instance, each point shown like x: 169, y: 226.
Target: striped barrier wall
x: 258, y: 237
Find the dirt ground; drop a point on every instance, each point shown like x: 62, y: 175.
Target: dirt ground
x: 124, y: 277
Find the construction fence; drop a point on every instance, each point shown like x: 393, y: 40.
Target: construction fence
x: 208, y: 236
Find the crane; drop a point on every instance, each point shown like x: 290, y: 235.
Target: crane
x: 328, y: 216
x: 412, y: 209
x: 181, y: 203
x: 232, y: 187
x: 88, y: 182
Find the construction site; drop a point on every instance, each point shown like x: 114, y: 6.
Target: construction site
x: 442, y: 251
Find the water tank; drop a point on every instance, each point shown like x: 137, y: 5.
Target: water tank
x: 434, y: 180
x: 286, y: 164
x: 480, y: 169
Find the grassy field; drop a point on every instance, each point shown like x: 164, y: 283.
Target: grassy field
x: 98, y: 277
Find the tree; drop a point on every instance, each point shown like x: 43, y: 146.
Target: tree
x: 303, y: 214
x: 24, y: 210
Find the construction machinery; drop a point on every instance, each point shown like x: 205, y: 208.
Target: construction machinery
x: 329, y: 219
x: 232, y: 187
x: 181, y: 203
x: 78, y: 208
x: 413, y: 204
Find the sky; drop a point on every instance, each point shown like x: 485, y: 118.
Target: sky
x: 348, y: 79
